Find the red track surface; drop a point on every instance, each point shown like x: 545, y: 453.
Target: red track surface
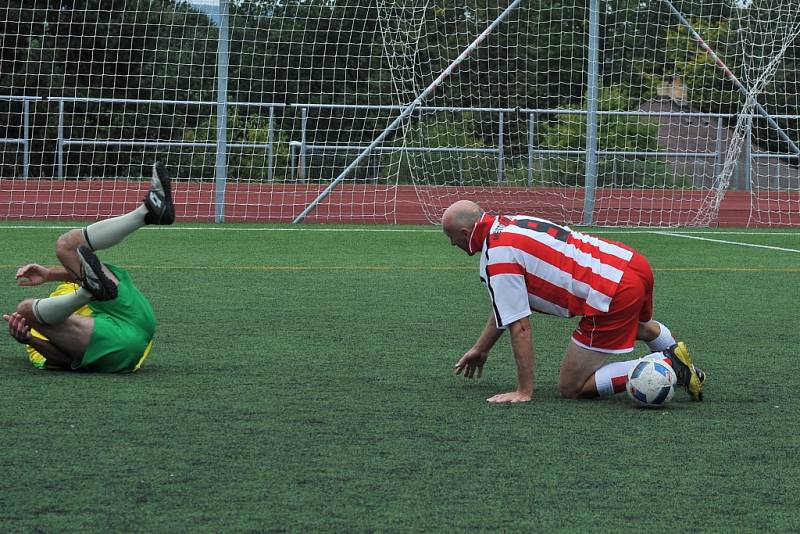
x: 94, y: 199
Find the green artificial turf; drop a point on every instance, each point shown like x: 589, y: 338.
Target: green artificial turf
x: 302, y: 381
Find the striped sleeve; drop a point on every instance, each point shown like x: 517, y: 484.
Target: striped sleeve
x: 505, y: 281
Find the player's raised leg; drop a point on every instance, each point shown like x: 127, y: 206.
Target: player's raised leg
x: 97, y: 283
x: 160, y: 209
x: 612, y: 377
x: 156, y: 208
x: 75, y: 250
x: 656, y: 335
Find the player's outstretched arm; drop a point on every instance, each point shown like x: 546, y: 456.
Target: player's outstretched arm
x: 522, y: 344
x: 34, y: 274
x: 472, y: 362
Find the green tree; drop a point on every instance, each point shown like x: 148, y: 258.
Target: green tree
x: 615, y: 132
x: 124, y: 49
x: 249, y: 164
x: 712, y: 90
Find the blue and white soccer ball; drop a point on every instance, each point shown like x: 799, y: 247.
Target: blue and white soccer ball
x: 651, y: 383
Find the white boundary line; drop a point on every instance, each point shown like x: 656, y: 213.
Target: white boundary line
x: 212, y: 228
x: 670, y: 234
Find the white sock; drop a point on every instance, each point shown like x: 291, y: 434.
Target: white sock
x: 107, y: 233
x: 663, y: 341
x: 53, y: 310
x: 612, y: 377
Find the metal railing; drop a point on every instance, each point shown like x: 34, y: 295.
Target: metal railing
x: 300, y: 149
x: 25, y: 140
x: 62, y: 141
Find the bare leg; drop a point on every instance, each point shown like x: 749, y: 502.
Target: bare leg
x: 71, y: 337
x: 576, y: 377
x: 657, y: 336
x: 67, y: 252
x: 54, y: 310
x: 585, y: 375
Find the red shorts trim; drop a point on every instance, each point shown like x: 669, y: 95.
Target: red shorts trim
x: 615, y: 331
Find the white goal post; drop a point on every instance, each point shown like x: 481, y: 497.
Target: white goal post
x: 607, y: 112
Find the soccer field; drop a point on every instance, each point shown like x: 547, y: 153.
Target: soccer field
x: 302, y: 381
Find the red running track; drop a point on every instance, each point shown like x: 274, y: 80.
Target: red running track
x: 95, y: 199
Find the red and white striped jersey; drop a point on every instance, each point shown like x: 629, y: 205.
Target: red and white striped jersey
x: 529, y: 264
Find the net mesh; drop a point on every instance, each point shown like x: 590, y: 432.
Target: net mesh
x: 768, y: 34
x: 95, y: 91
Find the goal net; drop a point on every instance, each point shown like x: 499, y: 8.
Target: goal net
x: 252, y: 105
x: 767, y: 139
x: 673, y: 141
x: 612, y: 113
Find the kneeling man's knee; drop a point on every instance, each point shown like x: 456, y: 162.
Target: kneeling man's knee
x: 569, y: 389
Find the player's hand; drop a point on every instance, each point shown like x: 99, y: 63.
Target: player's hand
x: 510, y: 398
x: 18, y: 327
x: 471, y: 363
x: 32, y: 274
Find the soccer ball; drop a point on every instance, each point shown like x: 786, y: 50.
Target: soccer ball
x: 651, y: 383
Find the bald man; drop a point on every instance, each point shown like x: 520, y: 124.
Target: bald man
x: 530, y: 264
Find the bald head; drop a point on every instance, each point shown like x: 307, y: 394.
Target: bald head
x: 459, y: 220
x: 461, y: 214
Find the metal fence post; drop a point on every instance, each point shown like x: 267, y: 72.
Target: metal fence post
x: 500, y: 162
x: 26, y: 124
x: 270, y: 148
x: 221, y: 167
x: 531, y: 140
x: 301, y: 171
x: 748, y: 158
x: 293, y: 173
x: 60, y: 142
x: 717, y: 152
x: 591, y: 118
